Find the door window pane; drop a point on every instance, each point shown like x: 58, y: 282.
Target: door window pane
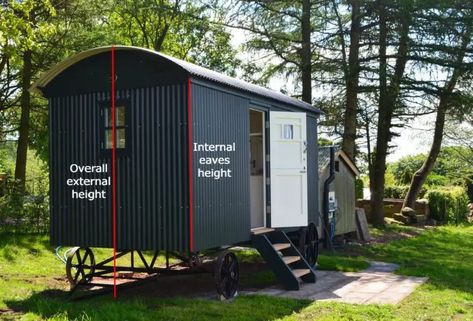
x: 288, y: 131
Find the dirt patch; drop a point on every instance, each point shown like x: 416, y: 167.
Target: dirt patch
x: 380, y: 236
x: 9, y: 314
x: 388, y: 236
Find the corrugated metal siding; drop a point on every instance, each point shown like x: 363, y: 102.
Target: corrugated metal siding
x: 152, y: 210
x: 221, y: 207
x: 312, y: 171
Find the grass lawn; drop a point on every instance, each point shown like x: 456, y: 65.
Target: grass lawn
x: 32, y: 286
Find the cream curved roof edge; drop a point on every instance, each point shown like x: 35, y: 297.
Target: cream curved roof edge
x: 49, y: 75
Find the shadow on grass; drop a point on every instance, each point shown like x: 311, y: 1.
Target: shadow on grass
x: 12, y: 244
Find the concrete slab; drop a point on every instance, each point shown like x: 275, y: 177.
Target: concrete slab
x: 375, y: 285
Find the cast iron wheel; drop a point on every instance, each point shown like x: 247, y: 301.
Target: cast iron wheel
x: 80, y: 265
x: 227, y: 274
x: 194, y: 260
x: 311, y: 245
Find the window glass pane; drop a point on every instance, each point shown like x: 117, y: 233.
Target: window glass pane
x: 108, y: 139
x: 119, y: 116
x: 120, y: 138
x: 288, y: 131
x: 108, y: 117
x: 120, y: 111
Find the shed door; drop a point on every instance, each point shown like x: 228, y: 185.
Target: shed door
x: 288, y: 147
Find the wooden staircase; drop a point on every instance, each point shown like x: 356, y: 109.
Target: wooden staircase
x: 283, y: 258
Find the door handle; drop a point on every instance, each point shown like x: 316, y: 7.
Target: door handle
x: 302, y: 172
x: 305, y: 147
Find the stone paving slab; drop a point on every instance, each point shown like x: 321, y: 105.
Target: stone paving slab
x: 375, y: 285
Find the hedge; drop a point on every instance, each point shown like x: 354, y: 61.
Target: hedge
x: 448, y: 204
x: 400, y: 191
x: 359, y: 188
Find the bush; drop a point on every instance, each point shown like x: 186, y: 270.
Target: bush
x: 449, y: 204
x: 25, y: 211
x: 359, y: 188
x: 400, y: 191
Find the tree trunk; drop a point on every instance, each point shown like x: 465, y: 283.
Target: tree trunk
x: 306, y: 61
x: 378, y: 166
x: 387, y: 101
x: 420, y: 175
x: 23, y: 137
x: 349, y: 131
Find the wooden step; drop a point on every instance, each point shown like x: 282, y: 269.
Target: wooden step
x: 300, y: 272
x: 290, y: 259
x: 281, y: 246
x: 261, y: 230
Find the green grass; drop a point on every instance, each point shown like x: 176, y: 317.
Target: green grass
x: 32, y: 286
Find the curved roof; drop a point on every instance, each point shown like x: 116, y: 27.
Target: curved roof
x: 190, y: 68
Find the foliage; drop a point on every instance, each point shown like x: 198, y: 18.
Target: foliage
x: 450, y: 168
x: 359, y: 185
x: 405, y: 167
x: 28, y: 210
x: 400, y: 191
x: 395, y: 191
x: 25, y: 211
x: 324, y: 142
x: 448, y: 204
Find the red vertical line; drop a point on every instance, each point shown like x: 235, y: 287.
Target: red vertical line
x: 189, y: 138
x: 114, y: 181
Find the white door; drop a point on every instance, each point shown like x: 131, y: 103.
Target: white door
x: 288, y: 148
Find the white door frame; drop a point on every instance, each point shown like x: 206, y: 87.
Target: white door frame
x: 263, y: 128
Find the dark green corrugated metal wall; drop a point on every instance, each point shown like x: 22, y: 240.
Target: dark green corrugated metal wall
x: 221, y: 207
x: 151, y: 176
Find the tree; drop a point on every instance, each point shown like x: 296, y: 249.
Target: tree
x: 352, y: 80
x: 449, y: 98
x: 283, y: 33
x: 180, y: 28
x: 388, y: 96
x: 25, y: 24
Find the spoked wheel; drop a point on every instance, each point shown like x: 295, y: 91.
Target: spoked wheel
x: 227, y: 274
x: 309, y: 244
x: 312, y: 245
x: 80, y: 265
x: 194, y: 260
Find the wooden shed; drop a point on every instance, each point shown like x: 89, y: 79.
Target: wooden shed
x: 342, y: 187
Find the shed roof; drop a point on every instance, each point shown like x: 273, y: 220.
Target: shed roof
x: 324, y: 159
x: 190, y: 68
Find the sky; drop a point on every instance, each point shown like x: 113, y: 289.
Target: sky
x: 413, y: 139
